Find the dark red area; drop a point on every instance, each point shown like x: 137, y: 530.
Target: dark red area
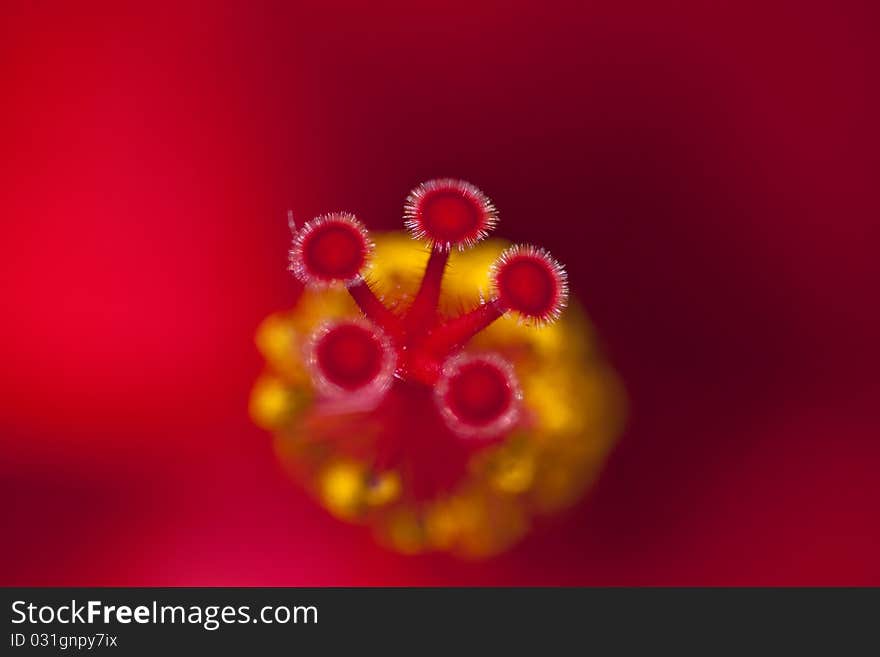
x: 529, y: 285
x: 449, y: 212
x: 350, y: 356
x: 415, y: 442
x: 706, y: 171
x: 449, y: 218
x: 479, y: 393
x: 333, y: 251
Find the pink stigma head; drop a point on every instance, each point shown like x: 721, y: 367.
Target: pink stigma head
x: 449, y: 213
x: 529, y: 281
x: 333, y: 248
x: 478, y: 396
x: 351, y: 356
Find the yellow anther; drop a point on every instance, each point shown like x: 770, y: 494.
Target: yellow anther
x: 385, y: 489
x: 342, y: 489
x: 270, y: 402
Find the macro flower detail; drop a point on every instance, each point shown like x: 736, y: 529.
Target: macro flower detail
x: 438, y: 386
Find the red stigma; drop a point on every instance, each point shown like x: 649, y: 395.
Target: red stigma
x: 397, y: 386
x: 351, y: 356
x: 423, y: 344
x: 449, y: 213
x: 414, y: 409
x: 478, y: 395
x: 529, y: 281
x: 328, y: 249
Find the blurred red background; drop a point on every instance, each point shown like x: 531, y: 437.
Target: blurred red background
x: 707, y: 170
